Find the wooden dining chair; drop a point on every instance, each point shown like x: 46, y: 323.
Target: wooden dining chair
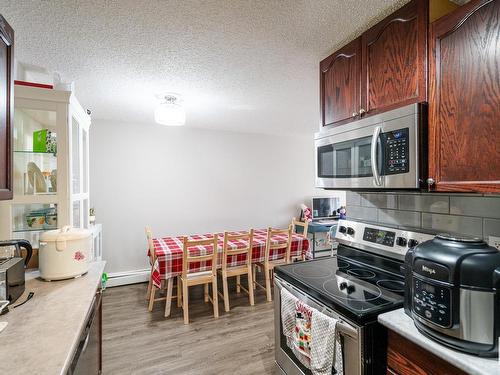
x: 237, y: 271
x: 272, y: 247
x: 199, y: 278
x: 304, y: 225
x: 151, y: 292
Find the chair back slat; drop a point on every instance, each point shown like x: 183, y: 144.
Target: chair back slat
x: 271, y: 232
x: 188, y: 258
x: 303, y: 224
x: 228, y: 251
x: 149, y: 237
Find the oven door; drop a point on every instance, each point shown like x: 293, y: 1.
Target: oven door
x: 350, y: 336
x: 379, y: 152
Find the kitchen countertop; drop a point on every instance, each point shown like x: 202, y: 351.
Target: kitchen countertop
x: 42, y: 335
x: 402, y: 324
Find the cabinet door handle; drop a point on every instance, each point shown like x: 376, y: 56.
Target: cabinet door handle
x: 430, y: 181
x: 361, y: 111
x: 354, y: 114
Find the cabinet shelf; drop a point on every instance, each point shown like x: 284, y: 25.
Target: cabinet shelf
x: 25, y: 230
x: 34, y: 152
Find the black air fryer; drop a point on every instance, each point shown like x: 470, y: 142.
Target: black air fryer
x: 453, y: 292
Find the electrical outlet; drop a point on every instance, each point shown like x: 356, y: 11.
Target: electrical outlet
x: 495, y: 242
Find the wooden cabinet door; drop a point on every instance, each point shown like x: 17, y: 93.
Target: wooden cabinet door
x: 406, y: 358
x: 6, y: 107
x: 394, y: 67
x: 340, y: 85
x: 464, y: 120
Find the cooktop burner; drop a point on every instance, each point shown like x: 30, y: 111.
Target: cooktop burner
x: 360, y: 289
x: 392, y: 285
x: 361, y: 273
x: 312, y: 271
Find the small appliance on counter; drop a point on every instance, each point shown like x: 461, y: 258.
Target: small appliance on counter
x: 64, y: 253
x: 12, y: 265
x: 453, y: 293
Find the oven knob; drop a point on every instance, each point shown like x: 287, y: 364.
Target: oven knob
x: 342, y: 229
x: 350, y: 289
x: 401, y: 241
x: 412, y: 243
x: 343, y: 285
x: 350, y: 231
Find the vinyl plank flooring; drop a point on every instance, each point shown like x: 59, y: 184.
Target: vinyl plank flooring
x: 138, y: 342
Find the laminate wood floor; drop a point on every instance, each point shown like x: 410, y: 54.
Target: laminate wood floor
x: 136, y: 341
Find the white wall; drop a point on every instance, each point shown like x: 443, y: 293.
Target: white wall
x: 182, y: 181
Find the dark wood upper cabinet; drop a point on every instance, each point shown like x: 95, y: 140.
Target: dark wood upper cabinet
x: 464, y: 99
x: 6, y: 107
x: 384, y: 69
x: 340, y: 85
x: 394, y: 68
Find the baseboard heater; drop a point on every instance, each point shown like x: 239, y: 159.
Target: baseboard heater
x: 127, y: 277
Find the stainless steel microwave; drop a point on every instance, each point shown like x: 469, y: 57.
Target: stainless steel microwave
x: 384, y: 151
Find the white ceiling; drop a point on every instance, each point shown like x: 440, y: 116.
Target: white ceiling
x: 248, y: 66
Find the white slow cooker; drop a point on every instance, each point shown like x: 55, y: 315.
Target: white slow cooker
x: 64, y: 253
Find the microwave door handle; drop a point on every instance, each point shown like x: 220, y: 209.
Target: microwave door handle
x: 376, y: 176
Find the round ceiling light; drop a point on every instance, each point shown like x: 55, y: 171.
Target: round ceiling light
x: 170, y: 112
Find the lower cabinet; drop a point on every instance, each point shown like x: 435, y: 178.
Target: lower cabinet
x: 406, y: 358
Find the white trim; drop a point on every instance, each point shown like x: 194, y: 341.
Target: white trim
x: 128, y: 277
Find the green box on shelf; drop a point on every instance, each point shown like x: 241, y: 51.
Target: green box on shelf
x: 44, y: 141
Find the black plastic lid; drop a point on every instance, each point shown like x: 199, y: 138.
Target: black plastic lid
x: 471, y: 263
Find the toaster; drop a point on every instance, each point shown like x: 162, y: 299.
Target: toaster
x: 12, y: 269
x: 452, y: 292
x: 11, y: 278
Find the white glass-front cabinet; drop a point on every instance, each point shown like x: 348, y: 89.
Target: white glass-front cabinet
x: 51, y: 167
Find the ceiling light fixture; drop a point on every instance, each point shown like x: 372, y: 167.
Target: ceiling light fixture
x: 170, y: 112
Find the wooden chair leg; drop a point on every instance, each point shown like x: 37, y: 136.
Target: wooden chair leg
x: 254, y: 277
x: 185, y: 301
x: 205, y: 293
x: 238, y: 283
x: 179, y: 292
x: 226, y: 293
x: 250, y: 287
x: 215, y: 298
x: 268, y: 284
x: 152, y: 298
x: 168, y: 301
x: 148, y: 293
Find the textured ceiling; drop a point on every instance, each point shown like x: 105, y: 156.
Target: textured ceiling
x: 247, y: 66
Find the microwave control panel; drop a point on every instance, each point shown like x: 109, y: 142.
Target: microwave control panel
x: 395, y: 146
x: 432, y: 302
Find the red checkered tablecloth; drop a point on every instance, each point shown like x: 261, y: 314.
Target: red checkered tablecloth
x: 168, y: 252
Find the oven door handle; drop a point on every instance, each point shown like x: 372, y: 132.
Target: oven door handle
x: 343, y: 327
x: 376, y: 135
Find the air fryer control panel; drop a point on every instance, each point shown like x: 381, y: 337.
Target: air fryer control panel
x: 432, y: 302
x: 395, y: 146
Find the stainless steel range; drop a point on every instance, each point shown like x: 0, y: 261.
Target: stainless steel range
x: 363, y: 280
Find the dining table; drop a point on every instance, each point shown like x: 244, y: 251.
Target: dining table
x: 169, y: 252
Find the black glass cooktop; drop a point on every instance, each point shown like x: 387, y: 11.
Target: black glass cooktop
x: 347, y: 285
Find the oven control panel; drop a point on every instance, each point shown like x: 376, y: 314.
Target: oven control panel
x: 396, y: 149
x: 379, y: 236
x: 432, y: 302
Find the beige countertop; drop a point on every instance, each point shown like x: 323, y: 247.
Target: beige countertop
x: 402, y: 324
x: 42, y: 335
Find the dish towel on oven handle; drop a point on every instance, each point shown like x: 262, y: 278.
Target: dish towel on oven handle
x: 325, y: 348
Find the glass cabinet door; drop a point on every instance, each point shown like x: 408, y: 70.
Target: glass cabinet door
x: 75, y: 156
x: 35, y: 152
